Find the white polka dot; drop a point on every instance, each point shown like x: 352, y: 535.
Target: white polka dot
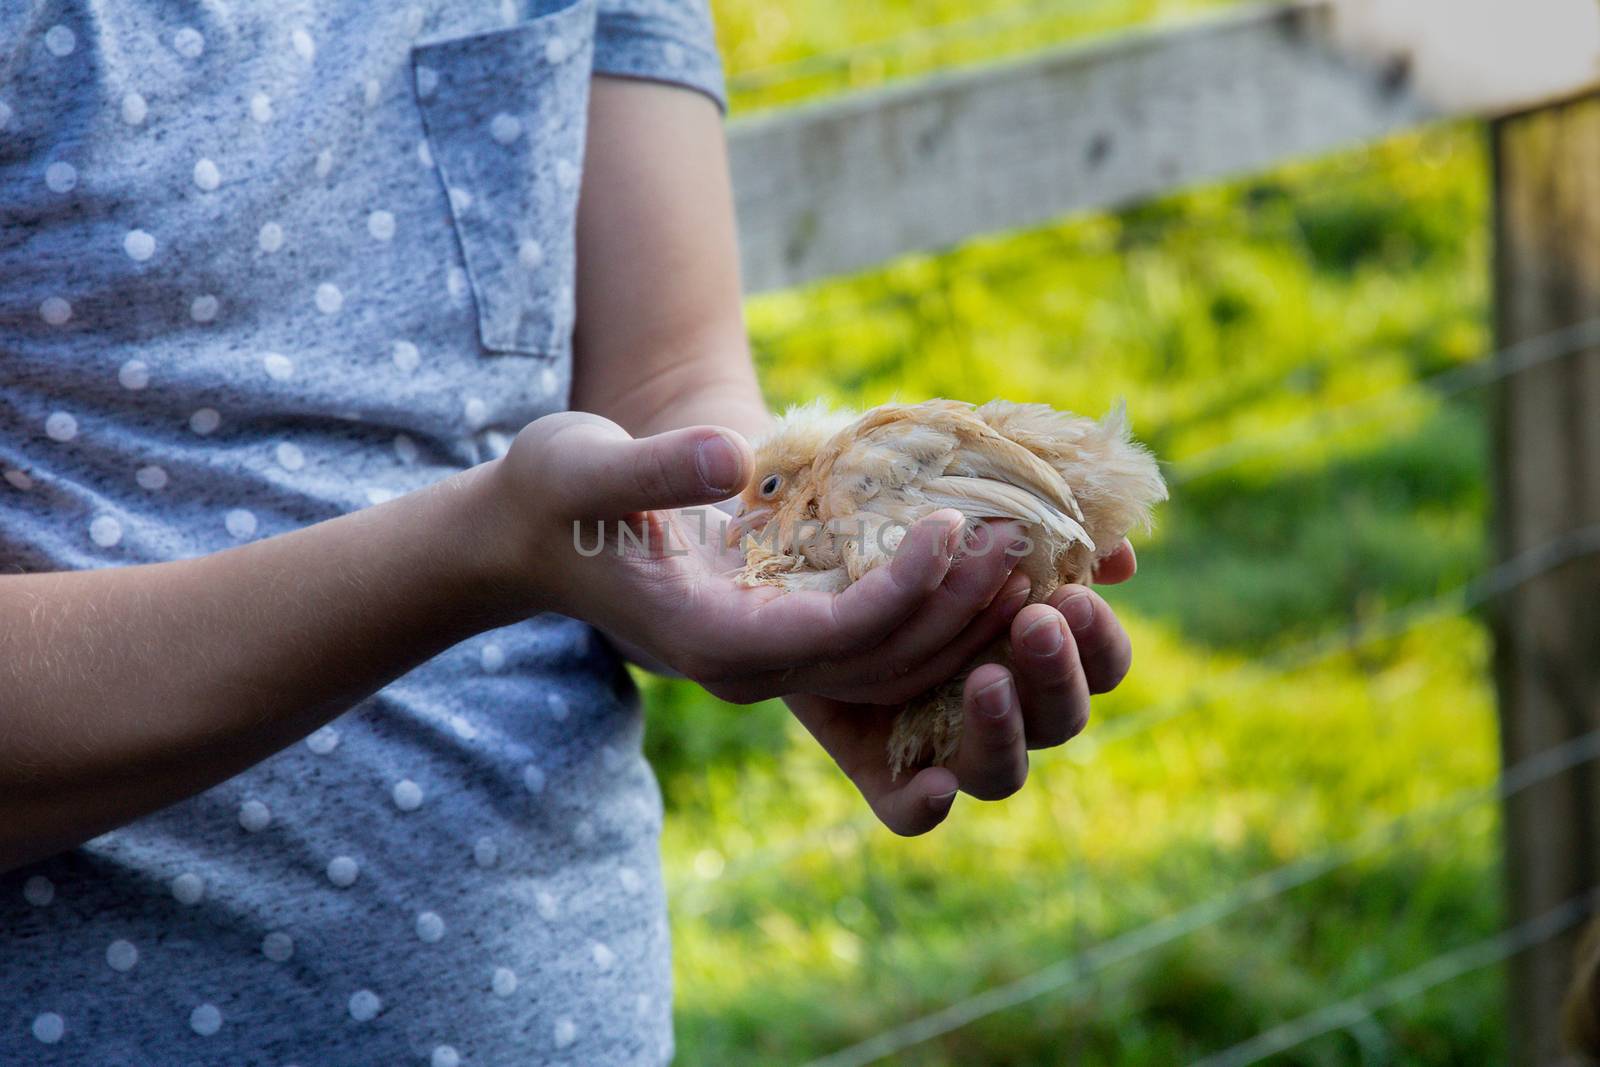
x: 329, y: 298
x: 492, y: 658
x: 204, y: 421
x: 61, y: 177
x: 485, y: 853
x: 105, y: 531
x: 415, y: 18
x: 559, y: 708
x: 631, y: 882
x: 60, y: 40
x: 205, y: 1020
x: 134, y: 374
x: 455, y: 283
x: 139, y: 245
x: 380, y: 224
x: 530, y: 253
x: 424, y: 154
x: 604, y: 958
x: 304, y: 46
x: 643, y: 1003
x: 60, y: 426
x: 324, y: 740
x: 206, y: 175
x: 5, y: 114
x: 533, y: 778
x: 565, y: 1032
x: 476, y: 412
x: 371, y: 91
x: 188, y: 43
x: 673, y: 54
x: 444, y: 1056
x: 547, y: 905
x: 48, y: 1027
x: 504, y: 982
x: 204, y: 308
x: 121, y: 955
x: 377, y: 494
x: 584, y: 833
x: 134, y: 109
x: 151, y: 478
x: 549, y: 382
x: 405, y: 449
x: 254, y: 816
x: 38, y: 891
x: 18, y: 479
x: 188, y: 888
x: 460, y: 199
x: 240, y: 524
x: 343, y: 871
x: 324, y: 165
x: 407, y: 795
x: 279, y: 367
x: 464, y: 729
x: 364, y: 1005
x: 566, y: 174
x: 289, y: 456
x: 499, y: 444
x: 277, y: 946
x: 406, y: 356
x: 261, y: 107
x: 430, y: 928
x: 270, y: 238
x: 556, y: 50
x: 427, y: 81
x: 505, y: 128
x: 54, y: 310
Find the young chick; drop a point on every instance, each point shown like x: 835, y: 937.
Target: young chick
x: 833, y: 493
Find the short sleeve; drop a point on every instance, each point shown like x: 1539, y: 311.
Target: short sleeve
x: 662, y: 40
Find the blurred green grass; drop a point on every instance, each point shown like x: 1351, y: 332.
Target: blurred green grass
x: 1226, y: 317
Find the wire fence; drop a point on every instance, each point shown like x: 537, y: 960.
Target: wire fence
x: 1437, y: 971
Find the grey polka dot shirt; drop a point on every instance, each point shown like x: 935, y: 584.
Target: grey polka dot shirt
x: 262, y: 264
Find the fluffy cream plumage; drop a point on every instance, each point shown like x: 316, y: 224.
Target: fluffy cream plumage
x: 834, y: 491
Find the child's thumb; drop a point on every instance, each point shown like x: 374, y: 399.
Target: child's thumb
x: 618, y: 475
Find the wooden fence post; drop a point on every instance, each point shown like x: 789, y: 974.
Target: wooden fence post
x: 1547, y: 472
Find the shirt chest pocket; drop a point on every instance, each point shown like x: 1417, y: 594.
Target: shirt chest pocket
x: 505, y: 114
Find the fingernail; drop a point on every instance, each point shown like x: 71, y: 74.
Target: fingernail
x: 940, y: 801
x: 1044, y: 637
x: 994, y: 699
x: 1078, y: 611
x: 955, y: 539
x: 1014, y: 601
x: 719, y: 464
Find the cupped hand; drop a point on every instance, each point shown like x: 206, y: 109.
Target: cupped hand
x: 1063, y: 651
x: 666, y: 590
x: 613, y: 530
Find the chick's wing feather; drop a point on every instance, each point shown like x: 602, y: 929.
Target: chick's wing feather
x: 984, y: 498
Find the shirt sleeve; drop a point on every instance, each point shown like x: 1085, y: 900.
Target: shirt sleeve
x: 662, y: 40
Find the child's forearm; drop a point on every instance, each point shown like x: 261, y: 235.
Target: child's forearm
x: 125, y: 689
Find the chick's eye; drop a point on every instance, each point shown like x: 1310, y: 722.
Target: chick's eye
x: 770, y: 485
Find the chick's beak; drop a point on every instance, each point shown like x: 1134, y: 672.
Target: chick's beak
x: 748, y: 520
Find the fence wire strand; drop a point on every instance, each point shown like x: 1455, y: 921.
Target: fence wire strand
x: 1265, y: 886
x: 1437, y: 971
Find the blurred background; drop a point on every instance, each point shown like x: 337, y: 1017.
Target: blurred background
x: 1311, y: 699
